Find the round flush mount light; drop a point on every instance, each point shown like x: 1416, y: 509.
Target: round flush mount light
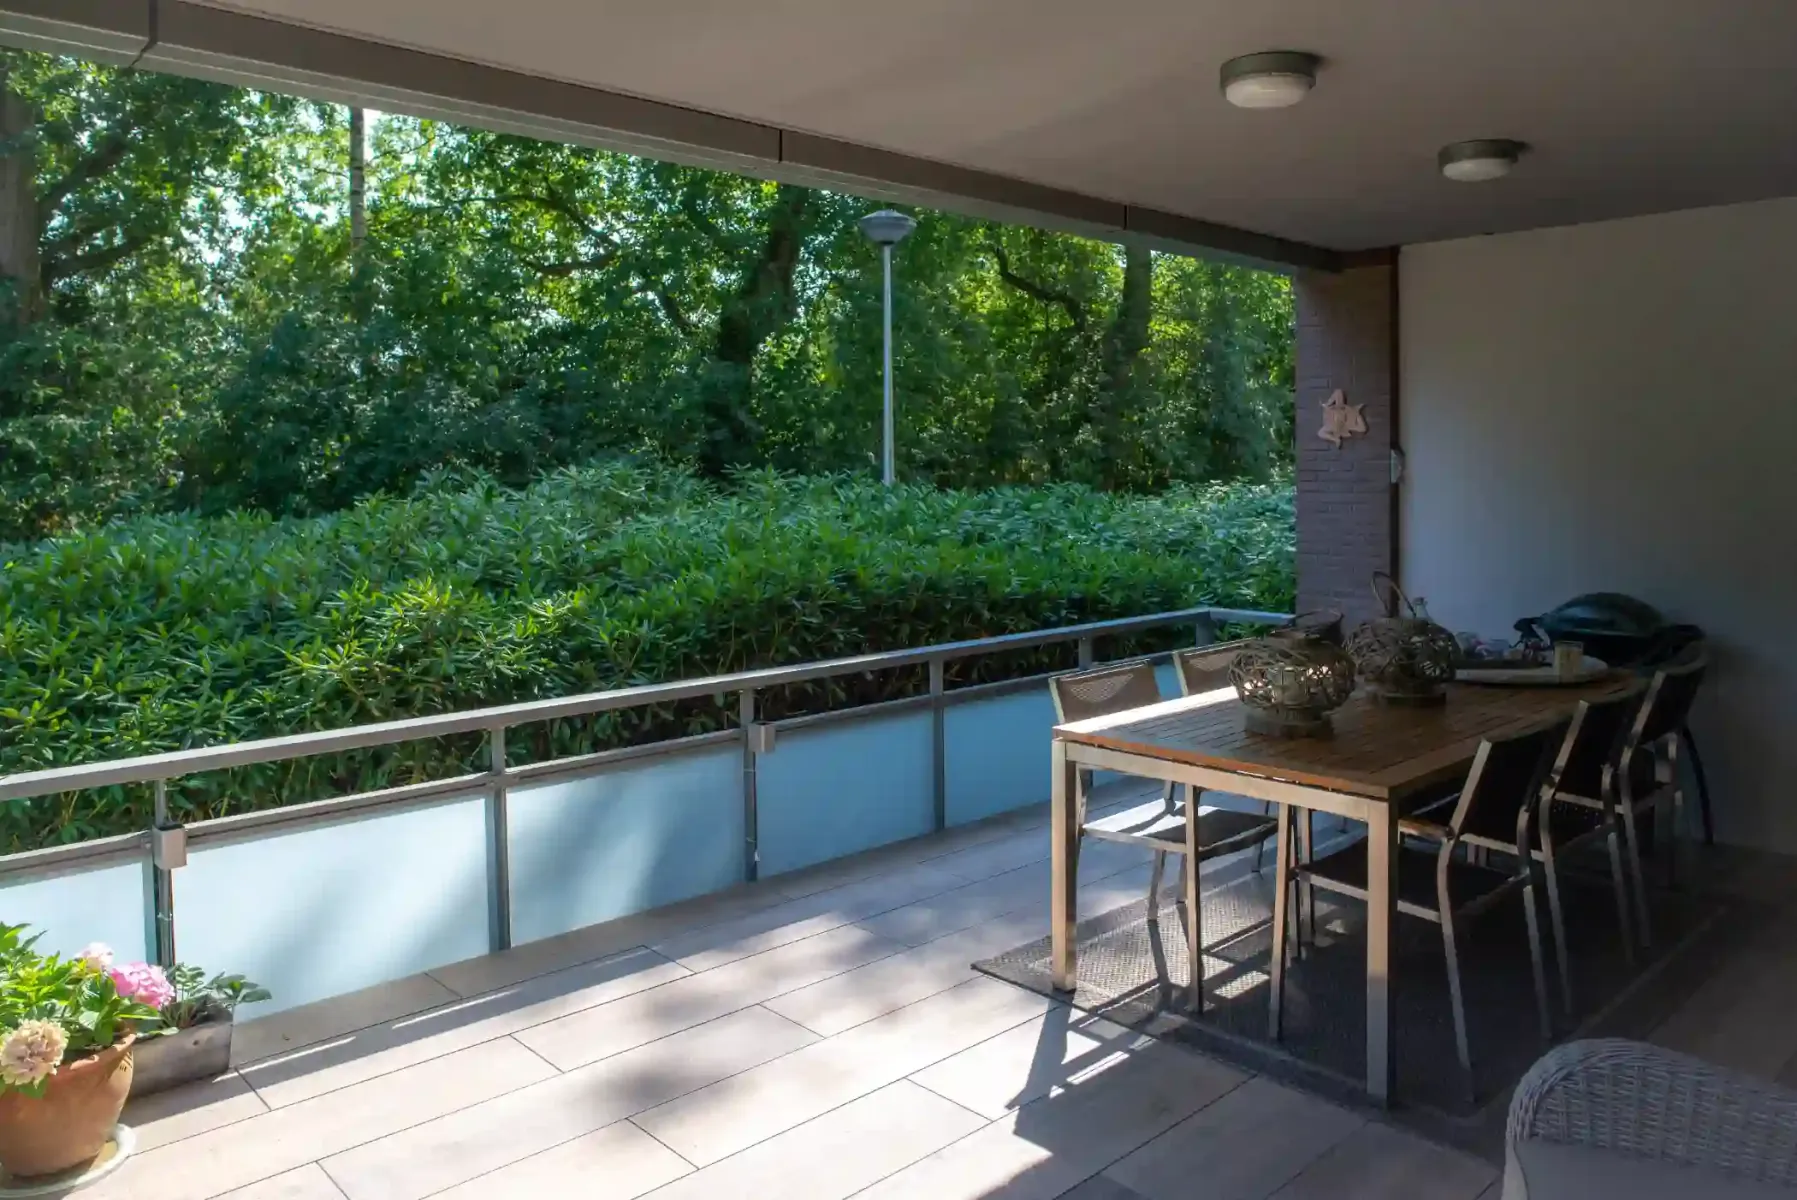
x: 1271, y: 79
x: 1480, y: 160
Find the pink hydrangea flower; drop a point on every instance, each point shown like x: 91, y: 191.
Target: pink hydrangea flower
x: 96, y: 957
x: 31, y: 1052
x: 144, y: 983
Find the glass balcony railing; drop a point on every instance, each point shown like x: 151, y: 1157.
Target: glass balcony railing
x: 319, y: 899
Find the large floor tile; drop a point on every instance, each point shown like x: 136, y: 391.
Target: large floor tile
x: 1379, y: 1163
x: 256, y: 1038
x: 279, y: 1141
x: 186, y: 1111
x: 727, y: 941
x: 304, y: 1183
x: 289, y: 1079
x: 734, y: 1114
x: 618, y: 1162
x: 837, y: 1154
x: 594, y: 1033
x: 464, y: 1145
x: 490, y: 972
x: 1246, y: 1146
x: 855, y: 997
x: 1053, y: 1144
x: 1059, y: 1050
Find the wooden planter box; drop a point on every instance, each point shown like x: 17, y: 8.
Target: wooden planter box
x: 201, y: 1051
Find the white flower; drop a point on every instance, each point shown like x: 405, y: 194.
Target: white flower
x: 31, y: 1052
x: 96, y: 956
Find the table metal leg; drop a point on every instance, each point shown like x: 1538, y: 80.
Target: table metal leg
x: 1381, y: 918
x: 1064, y: 900
x: 1282, y: 886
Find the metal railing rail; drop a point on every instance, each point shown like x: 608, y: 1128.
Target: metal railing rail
x: 167, y: 842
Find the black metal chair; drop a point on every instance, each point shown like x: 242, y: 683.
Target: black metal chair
x: 1197, y: 834
x: 1578, y: 806
x: 1647, y: 773
x: 1448, y: 885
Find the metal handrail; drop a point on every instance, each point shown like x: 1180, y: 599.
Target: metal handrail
x: 167, y: 841
x: 172, y: 764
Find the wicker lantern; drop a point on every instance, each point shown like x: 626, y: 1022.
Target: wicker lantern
x: 1406, y: 658
x: 1292, y: 679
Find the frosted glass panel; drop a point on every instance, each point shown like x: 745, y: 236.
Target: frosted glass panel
x: 337, y: 908
x: 641, y: 834
x: 69, y: 911
x: 996, y: 753
x: 832, y: 790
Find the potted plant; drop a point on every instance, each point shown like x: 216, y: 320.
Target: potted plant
x: 190, y: 1038
x: 66, y: 1032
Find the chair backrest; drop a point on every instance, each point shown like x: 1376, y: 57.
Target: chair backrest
x: 1206, y: 668
x: 1507, y: 775
x: 1669, y: 698
x: 1593, y: 742
x: 1101, y: 692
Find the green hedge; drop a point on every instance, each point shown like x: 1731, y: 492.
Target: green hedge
x: 164, y: 633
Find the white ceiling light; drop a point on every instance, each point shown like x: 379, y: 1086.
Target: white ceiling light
x: 1273, y: 79
x: 1478, y: 161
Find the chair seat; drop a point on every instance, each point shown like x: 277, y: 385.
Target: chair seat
x: 1345, y: 870
x: 1220, y: 830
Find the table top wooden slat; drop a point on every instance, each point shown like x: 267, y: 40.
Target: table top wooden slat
x: 1380, y: 751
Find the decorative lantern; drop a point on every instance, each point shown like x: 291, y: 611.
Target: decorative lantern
x: 1292, y: 679
x: 1406, y: 658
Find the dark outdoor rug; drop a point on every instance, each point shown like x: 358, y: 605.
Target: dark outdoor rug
x: 1131, y: 974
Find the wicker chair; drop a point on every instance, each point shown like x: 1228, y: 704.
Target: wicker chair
x: 1615, y: 1118
x: 1159, y: 825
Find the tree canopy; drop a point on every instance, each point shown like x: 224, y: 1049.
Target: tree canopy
x: 219, y: 299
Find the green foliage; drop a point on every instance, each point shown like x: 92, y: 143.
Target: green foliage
x: 197, y: 998
x: 210, y: 339
x: 166, y: 632
x: 71, y: 994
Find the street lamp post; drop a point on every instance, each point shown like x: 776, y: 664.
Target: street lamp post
x: 887, y: 229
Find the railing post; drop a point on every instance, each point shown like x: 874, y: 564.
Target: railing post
x: 1204, y: 631
x: 939, y: 741
x: 499, y: 850
x: 1085, y: 652
x: 159, y: 882
x: 745, y: 710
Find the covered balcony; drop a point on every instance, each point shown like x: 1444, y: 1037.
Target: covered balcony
x: 745, y: 961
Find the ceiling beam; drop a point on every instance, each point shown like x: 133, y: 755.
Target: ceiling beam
x: 185, y: 38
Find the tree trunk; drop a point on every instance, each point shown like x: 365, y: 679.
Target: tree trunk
x: 762, y: 304
x: 20, y: 268
x: 1124, y: 342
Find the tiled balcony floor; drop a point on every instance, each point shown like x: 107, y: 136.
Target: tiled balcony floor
x: 818, y: 1036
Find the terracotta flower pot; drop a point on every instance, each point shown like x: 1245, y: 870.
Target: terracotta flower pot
x: 67, y: 1126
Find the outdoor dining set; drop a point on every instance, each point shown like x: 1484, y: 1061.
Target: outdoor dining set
x: 1460, y: 786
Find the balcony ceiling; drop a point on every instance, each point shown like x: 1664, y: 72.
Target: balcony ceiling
x: 1632, y: 106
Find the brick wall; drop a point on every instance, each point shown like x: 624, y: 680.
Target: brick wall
x: 1347, y: 514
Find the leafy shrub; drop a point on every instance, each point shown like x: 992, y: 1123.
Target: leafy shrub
x: 168, y: 632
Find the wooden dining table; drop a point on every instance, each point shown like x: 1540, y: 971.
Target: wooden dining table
x: 1380, y: 757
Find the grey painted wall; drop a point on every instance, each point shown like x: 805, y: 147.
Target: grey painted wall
x: 1614, y: 407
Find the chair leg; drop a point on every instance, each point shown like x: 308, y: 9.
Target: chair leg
x: 1619, y: 881
x: 1307, y: 910
x: 1154, y: 886
x: 1557, y: 918
x: 1194, y: 915
x: 1461, y: 1044
x: 1266, y: 810
x: 1631, y: 838
x: 1703, y: 786
x: 1536, y: 961
x: 1674, y: 835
